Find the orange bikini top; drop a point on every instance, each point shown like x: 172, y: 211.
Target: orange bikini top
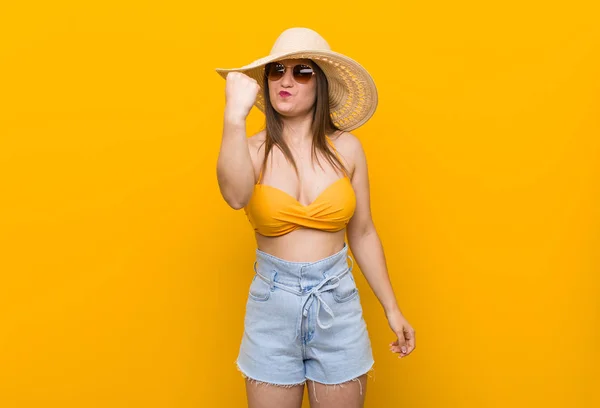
x: 273, y: 212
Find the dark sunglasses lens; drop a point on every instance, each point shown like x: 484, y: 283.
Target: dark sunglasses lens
x: 302, y: 73
x: 275, y: 71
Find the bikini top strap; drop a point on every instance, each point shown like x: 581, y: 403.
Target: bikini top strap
x: 260, y: 175
x: 336, y: 152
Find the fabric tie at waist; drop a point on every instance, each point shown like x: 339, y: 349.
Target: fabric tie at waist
x: 329, y: 283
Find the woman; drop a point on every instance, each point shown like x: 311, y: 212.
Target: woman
x: 303, y: 314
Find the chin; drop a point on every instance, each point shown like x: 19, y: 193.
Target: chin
x: 284, y: 110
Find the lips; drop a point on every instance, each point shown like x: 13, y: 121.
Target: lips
x: 284, y: 94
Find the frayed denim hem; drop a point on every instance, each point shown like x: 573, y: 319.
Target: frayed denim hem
x: 341, y: 385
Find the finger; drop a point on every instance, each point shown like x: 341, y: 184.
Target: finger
x: 410, y: 339
x: 397, y: 349
x: 394, y: 347
x: 402, y: 343
x: 397, y: 341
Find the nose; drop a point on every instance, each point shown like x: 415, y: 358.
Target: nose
x: 288, y: 78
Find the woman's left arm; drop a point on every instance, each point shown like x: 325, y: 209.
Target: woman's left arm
x: 368, y: 252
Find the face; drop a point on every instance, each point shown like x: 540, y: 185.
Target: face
x: 290, y: 96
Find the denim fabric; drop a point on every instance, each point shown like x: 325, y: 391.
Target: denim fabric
x: 303, y: 321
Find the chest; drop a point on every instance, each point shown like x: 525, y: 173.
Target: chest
x: 305, y: 186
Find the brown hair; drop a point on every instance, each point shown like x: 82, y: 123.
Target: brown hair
x: 321, y: 125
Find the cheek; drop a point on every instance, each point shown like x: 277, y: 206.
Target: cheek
x: 310, y: 99
x: 307, y: 100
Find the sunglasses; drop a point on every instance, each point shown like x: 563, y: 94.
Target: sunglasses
x: 302, y: 73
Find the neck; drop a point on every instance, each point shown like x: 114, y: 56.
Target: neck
x: 298, y: 130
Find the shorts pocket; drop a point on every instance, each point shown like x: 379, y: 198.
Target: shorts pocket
x: 346, y: 290
x: 259, y: 289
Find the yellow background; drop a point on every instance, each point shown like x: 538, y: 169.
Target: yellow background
x: 124, y: 274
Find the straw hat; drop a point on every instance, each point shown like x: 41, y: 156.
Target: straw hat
x: 352, y: 91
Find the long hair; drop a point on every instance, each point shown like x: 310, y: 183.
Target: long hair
x: 321, y: 125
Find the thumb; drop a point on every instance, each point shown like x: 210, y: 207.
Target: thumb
x: 401, y: 342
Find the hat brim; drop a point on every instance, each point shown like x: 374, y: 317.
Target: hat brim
x: 352, y: 91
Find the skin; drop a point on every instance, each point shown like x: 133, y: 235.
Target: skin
x: 307, y: 245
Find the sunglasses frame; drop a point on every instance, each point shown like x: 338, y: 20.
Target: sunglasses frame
x: 285, y: 70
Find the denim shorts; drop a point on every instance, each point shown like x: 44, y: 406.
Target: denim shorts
x: 304, y: 321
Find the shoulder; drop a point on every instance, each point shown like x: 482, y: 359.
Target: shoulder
x: 257, y: 140
x: 346, y: 141
x: 256, y: 145
x: 349, y: 146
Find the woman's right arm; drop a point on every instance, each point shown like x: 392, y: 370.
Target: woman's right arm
x: 235, y: 171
